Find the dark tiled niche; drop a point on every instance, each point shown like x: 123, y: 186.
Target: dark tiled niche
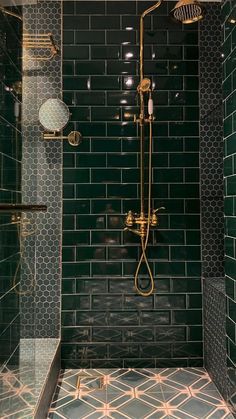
x: 104, y: 322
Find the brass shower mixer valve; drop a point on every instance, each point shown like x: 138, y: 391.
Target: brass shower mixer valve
x: 141, y: 221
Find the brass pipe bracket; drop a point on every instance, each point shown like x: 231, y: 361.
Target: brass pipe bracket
x: 74, y: 138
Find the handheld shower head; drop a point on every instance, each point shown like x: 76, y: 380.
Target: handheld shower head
x: 188, y: 11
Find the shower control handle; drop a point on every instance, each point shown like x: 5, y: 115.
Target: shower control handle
x: 158, y: 209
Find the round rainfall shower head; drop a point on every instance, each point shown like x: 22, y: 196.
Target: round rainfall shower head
x: 188, y: 11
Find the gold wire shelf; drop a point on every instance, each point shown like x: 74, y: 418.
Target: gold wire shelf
x: 39, y: 41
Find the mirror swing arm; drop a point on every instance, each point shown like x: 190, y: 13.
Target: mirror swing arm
x: 74, y: 138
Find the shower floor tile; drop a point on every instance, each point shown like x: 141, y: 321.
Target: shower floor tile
x: 162, y: 393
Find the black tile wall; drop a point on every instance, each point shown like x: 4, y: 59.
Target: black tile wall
x: 104, y: 321
x: 229, y: 31
x: 10, y: 184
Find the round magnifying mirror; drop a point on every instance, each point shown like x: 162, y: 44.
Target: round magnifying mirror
x: 54, y: 115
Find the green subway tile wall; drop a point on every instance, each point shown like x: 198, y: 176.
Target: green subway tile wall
x: 10, y: 184
x: 229, y: 91
x: 104, y: 321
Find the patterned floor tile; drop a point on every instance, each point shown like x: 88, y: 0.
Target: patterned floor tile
x: 163, y: 393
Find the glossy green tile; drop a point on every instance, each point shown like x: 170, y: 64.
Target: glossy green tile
x: 194, y: 333
x: 68, y: 160
x: 106, y: 145
x: 191, y: 82
x: 105, y: 22
x: 75, y: 83
x: 167, y: 83
x: 75, y: 22
x: 78, y: 237
x: 118, y: 8
x: 76, y: 207
x: 106, y: 175
x: 121, y: 253
x: 173, y: 301
x: 192, y: 175
x: 75, y: 52
x: 90, y: 253
x: 170, y: 268
x: 76, y: 175
x: 68, y: 8
x: 185, y: 221
x: 80, y: 113
x: 90, y: 67
x: 184, y: 191
x: 191, y: 113
x: 105, y: 206
x: 108, y: 268
x: 106, y: 238
x: 188, y: 317
x: 88, y: 222
x: 193, y: 237
x: 168, y: 113
x: 231, y: 185
x: 228, y: 166
x: 105, y: 82
x: 168, y: 175
x: 171, y: 237
x: 168, y: 144
x: 185, y: 253
x: 73, y: 302
x: 229, y: 205
x: 193, y: 268
x: 105, y: 52
x: 192, y: 349
x: 85, y: 8
x: 121, y: 129
x: 91, y: 191
x: 155, y: 37
x: 68, y: 68
x: 182, y: 285
x: 121, y: 98
x: 183, y: 98
x: 90, y: 98
x: 121, y: 37
x: 121, y: 191
x: 111, y: 113
x: 230, y: 144
x: 90, y: 160
x: 191, y: 52
x: 122, y: 160
x: 195, y: 301
x: 129, y: 21
x: 97, y: 129
x: 121, y: 67
x: 89, y: 37
x: 68, y: 37
x: 68, y: 254
x: 183, y: 67
x: 68, y: 222
x: 153, y: 67
x: 69, y: 191
x: 183, y: 38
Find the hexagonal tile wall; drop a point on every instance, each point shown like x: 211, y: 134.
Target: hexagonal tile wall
x: 42, y: 176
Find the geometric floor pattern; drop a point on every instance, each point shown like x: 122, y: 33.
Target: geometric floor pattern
x: 161, y: 393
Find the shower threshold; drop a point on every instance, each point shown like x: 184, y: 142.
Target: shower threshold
x: 23, y: 384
